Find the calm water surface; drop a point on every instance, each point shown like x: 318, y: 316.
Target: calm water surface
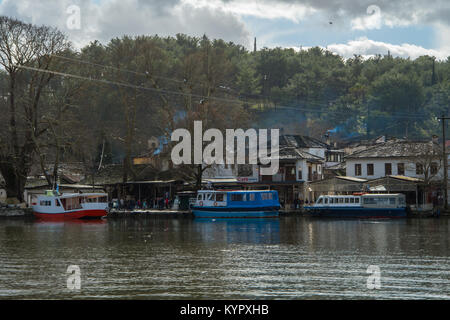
x: 167, y: 258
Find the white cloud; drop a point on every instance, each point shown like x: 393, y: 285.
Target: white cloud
x: 108, y: 19
x: 260, y: 9
x: 369, y: 48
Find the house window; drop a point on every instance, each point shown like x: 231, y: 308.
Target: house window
x: 401, y: 169
x: 434, y: 168
x: 370, y: 169
x: 358, y: 169
x: 300, y: 175
x: 419, y: 168
x: 388, y: 169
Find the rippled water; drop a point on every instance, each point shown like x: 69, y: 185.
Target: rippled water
x: 285, y: 258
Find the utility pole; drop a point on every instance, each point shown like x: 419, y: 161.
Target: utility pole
x: 443, y: 118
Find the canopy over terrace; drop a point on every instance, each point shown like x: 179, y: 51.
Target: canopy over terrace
x: 152, y: 189
x: 337, y: 185
x: 411, y: 187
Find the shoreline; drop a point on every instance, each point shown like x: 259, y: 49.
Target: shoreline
x: 27, y: 213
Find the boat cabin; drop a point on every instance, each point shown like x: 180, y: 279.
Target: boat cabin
x: 53, y: 202
x: 241, y: 198
x: 363, y: 200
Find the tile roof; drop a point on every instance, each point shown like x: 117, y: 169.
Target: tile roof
x: 397, y: 148
x: 299, y: 141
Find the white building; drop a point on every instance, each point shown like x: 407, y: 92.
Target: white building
x: 397, y: 157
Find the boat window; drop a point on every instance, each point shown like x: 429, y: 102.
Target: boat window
x: 356, y: 200
x: 266, y: 196
x: 331, y: 200
x: 57, y: 203
x: 200, y: 197
x: 45, y: 203
x: 320, y: 200
x: 251, y: 197
x: 401, y: 201
x: 209, y: 196
x: 377, y: 200
x: 326, y: 201
x: 352, y: 200
x: 219, y: 197
x: 347, y: 200
x: 237, y: 197
x: 341, y: 200
x: 392, y: 201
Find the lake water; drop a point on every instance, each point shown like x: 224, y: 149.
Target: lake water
x: 187, y: 258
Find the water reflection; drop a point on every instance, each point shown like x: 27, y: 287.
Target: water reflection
x: 255, y: 231
x: 185, y: 258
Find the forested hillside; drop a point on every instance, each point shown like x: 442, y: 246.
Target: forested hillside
x: 101, y: 103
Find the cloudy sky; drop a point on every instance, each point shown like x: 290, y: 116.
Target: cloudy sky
x: 407, y: 28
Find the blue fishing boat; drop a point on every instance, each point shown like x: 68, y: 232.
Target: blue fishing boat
x: 236, y: 204
x: 359, y: 206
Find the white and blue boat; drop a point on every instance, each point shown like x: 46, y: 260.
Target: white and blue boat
x: 236, y: 204
x: 359, y: 206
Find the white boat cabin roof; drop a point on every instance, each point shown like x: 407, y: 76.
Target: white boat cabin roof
x: 52, y: 193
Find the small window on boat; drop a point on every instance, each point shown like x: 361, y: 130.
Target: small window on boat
x: 219, y: 197
x: 341, y: 200
x: 347, y: 200
x: 266, y: 196
x: 331, y: 200
x: 251, y: 197
x: 200, y: 197
x: 391, y: 200
x: 46, y: 203
x: 352, y: 200
x: 209, y: 196
x: 320, y: 200
x: 326, y: 201
x: 237, y: 197
x: 356, y: 200
x: 57, y: 203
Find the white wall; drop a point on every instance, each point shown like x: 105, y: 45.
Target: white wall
x: 3, y: 195
x: 229, y: 171
x: 379, y: 170
x: 319, y: 152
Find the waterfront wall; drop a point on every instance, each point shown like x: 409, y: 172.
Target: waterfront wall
x: 15, y: 212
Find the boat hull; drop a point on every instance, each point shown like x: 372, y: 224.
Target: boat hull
x: 356, y: 212
x: 80, y: 214
x: 214, y: 212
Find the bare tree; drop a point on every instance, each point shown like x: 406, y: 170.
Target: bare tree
x: 22, y: 48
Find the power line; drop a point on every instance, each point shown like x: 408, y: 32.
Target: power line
x: 146, y: 74
x: 393, y: 114
x: 202, y: 97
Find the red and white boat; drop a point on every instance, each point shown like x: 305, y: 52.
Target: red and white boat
x: 55, y: 206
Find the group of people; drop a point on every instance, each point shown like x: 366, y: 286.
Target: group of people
x: 156, y: 203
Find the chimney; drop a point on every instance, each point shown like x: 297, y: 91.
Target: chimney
x: 327, y: 139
